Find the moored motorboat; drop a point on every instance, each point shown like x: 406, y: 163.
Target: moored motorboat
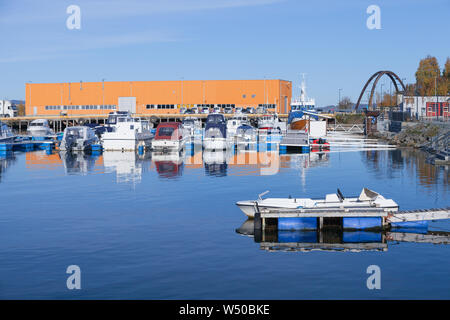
x: 235, y: 122
x: 193, y: 128
x: 268, y: 122
x: 169, y: 136
x: 366, y: 199
x: 39, y: 128
x: 78, y: 138
x: 6, y: 134
x: 126, y: 134
x: 215, y: 133
x: 245, y: 134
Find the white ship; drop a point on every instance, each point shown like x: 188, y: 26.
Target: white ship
x: 303, y: 102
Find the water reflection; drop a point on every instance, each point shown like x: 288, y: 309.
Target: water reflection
x: 168, y: 165
x: 128, y: 166
x: 391, y: 164
x: 216, y: 162
x: 7, y: 159
x: 338, y: 239
x: 78, y: 163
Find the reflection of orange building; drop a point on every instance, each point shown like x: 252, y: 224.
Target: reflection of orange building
x: 82, y: 98
x: 40, y: 160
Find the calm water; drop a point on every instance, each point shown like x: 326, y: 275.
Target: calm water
x: 164, y: 227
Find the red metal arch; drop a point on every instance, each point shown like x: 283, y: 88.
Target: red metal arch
x: 377, y: 75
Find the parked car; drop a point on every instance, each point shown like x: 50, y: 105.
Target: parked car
x: 183, y: 110
x: 228, y: 110
x: 250, y: 110
x: 261, y: 110
x: 238, y: 110
x: 217, y: 110
x: 205, y: 110
x: 194, y: 110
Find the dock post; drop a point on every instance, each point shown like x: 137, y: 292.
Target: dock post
x: 257, y: 232
x: 257, y: 224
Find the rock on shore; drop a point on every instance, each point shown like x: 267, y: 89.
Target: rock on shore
x: 412, y: 136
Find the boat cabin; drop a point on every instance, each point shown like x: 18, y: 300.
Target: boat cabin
x: 169, y: 131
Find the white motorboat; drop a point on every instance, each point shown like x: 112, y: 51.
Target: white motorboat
x: 245, y: 134
x: 193, y: 128
x: 215, y: 133
x: 367, y: 199
x: 268, y: 122
x: 6, y: 135
x: 79, y: 138
x: 235, y: 122
x: 170, y: 136
x: 127, y: 134
x: 39, y: 128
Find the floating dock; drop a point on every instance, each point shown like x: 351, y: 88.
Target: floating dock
x: 27, y: 145
x: 338, y: 240
x: 297, y: 141
x: 345, y: 218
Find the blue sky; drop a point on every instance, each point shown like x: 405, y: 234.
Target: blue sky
x: 219, y: 39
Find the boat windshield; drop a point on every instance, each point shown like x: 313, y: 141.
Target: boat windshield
x: 75, y: 132
x: 188, y: 122
x: 166, y: 131
x: 215, y: 119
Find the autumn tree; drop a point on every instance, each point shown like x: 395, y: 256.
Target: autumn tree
x: 427, y: 74
x: 446, y: 74
x: 345, y: 104
x: 388, y: 100
x: 21, y: 110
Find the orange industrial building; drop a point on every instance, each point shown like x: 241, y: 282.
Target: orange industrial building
x: 154, y: 97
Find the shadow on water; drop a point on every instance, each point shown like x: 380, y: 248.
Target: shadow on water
x: 338, y: 239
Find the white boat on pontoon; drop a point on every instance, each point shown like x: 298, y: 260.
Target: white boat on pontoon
x: 39, y: 128
x: 170, y: 137
x: 367, y: 199
x: 127, y: 134
x: 268, y: 122
x: 215, y: 137
x: 193, y: 128
x: 78, y: 138
x: 235, y: 122
x: 245, y: 134
x: 6, y: 135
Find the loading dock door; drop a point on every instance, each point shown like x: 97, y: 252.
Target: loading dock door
x: 127, y: 104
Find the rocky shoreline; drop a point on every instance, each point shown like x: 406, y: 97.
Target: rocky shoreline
x: 415, y: 136
x: 419, y: 136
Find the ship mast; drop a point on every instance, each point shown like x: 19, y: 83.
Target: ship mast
x: 303, y: 89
